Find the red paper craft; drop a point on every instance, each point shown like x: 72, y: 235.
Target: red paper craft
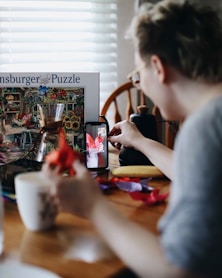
x: 152, y: 198
x: 64, y: 156
x: 114, y: 180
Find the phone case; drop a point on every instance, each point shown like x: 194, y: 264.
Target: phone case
x: 96, y: 145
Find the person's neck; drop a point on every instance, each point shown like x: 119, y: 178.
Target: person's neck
x: 192, y: 95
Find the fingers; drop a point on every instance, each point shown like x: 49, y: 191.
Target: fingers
x: 47, y: 172
x: 79, y: 168
x: 114, y: 142
x: 114, y: 135
x: 118, y: 146
x: 114, y: 131
x: 48, y: 169
x: 117, y: 128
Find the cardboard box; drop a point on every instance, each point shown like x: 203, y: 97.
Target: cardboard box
x: 79, y: 92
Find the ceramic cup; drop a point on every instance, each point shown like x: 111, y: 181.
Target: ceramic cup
x: 35, y: 208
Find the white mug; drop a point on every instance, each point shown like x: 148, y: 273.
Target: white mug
x: 34, y: 205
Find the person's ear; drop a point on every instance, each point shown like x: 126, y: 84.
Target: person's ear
x: 158, y: 68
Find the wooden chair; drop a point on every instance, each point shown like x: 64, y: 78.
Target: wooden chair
x: 166, y: 130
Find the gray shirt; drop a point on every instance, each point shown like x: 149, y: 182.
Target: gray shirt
x: 191, y: 229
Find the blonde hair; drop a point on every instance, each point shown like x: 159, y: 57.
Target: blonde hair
x: 184, y: 35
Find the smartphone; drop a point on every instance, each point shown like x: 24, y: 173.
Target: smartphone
x: 96, y: 145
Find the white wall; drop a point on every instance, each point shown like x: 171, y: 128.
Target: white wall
x: 125, y: 47
x: 126, y: 10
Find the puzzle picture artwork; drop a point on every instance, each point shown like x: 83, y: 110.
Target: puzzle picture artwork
x: 21, y: 96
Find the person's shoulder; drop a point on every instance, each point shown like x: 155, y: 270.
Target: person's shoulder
x: 204, y: 124
x: 211, y: 114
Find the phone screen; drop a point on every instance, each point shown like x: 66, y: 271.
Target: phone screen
x: 96, y: 145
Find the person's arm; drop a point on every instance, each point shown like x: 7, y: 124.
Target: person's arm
x: 138, y: 249
x: 160, y: 155
x: 125, y: 133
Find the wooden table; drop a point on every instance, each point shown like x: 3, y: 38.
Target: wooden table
x: 73, y: 248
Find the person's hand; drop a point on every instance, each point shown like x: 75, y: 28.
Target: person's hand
x: 74, y: 194
x: 124, y: 133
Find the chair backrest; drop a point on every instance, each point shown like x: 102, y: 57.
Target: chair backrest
x: 166, y: 130
x: 128, y: 89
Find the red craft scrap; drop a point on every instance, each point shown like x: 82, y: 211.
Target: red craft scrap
x: 64, y: 156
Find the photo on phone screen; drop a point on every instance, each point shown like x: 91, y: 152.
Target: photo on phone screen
x: 96, y: 145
